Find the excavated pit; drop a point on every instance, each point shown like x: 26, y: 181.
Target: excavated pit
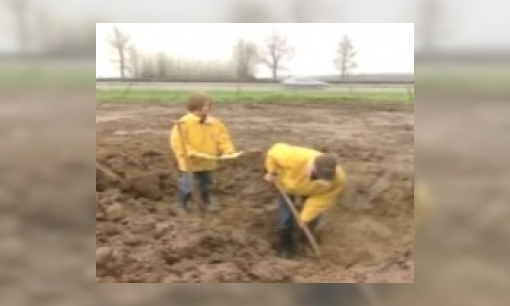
x: 367, y: 237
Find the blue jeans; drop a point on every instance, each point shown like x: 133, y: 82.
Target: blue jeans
x: 286, y: 218
x: 185, y: 188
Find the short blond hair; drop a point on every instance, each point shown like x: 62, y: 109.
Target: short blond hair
x: 197, y: 101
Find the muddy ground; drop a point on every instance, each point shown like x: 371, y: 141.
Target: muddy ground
x: 367, y: 237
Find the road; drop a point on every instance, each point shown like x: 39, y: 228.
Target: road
x: 245, y: 87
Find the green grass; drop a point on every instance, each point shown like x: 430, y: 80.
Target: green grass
x: 225, y: 96
x: 20, y: 78
x: 477, y: 78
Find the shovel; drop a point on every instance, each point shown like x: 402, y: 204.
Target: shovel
x: 306, y: 229
x: 366, y: 289
x: 222, y: 157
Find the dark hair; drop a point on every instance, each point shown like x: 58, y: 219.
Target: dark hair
x: 197, y: 101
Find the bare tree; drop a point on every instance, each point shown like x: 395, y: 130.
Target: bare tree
x: 276, y: 51
x: 345, y: 57
x: 88, y: 27
x: 306, y: 11
x: 431, y: 25
x: 147, y: 67
x: 246, y: 58
x: 56, y: 37
x: 162, y: 65
x: 134, y: 61
x: 89, y: 40
x: 46, y: 29
x: 165, y: 66
x: 21, y: 10
x: 249, y: 12
x: 120, y: 42
x: 299, y: 10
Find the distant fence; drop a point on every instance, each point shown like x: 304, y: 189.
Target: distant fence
x: 249, y: 86
x: 240, y: 89
x: 397, y: 79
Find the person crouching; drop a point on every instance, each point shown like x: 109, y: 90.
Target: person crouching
x: 310, y: 174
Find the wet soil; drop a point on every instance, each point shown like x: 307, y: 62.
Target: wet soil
x: 367, y: 237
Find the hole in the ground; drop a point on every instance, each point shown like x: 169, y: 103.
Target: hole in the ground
x: 370, y: 225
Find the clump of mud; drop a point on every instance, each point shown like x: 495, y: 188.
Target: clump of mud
x: 135, y: 245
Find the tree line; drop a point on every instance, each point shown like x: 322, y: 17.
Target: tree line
x: 39, y: 32
x: 274, y: 53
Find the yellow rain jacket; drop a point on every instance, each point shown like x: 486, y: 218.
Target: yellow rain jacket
x: 421, y: 204
x: 211, y: 137
x: 293, y: 166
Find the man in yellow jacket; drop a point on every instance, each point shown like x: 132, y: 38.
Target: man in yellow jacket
x: 203, y: 135
x: 313, y: 176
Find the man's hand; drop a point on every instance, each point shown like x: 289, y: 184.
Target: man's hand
x: 270, y: 177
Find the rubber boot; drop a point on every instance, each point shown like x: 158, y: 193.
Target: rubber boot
x: 316, y: 231
x: 317, y: 234
x: 206, y: 200
x: 286, y: 243
x: 304, y: 244
x: 182, y: 205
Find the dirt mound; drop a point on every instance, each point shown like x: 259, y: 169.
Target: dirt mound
x: 140, y: 238
x: 137, y: 248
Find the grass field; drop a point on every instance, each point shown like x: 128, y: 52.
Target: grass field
x: 225, y: 96
x: 476, y: 78
x: 46, y: 78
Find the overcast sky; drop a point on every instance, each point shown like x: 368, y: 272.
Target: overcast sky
x: 465, y: 24
x: 382, y: 48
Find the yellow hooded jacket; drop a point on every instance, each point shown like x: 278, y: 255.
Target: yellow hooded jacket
x: 421, y: 205
x: 293, y: 166
x: 211, y: 137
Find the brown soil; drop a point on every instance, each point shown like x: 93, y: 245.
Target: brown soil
x: 368, y: 237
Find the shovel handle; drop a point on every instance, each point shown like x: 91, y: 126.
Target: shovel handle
x: 306, y: 229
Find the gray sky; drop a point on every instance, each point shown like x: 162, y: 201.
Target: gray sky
x: 382, y: 48
x: 468, y: 23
